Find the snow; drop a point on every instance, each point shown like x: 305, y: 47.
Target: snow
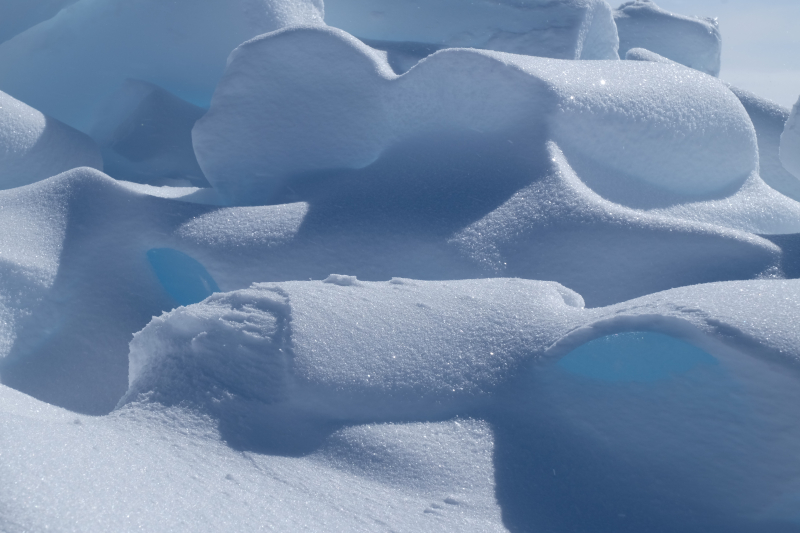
x: 413, y: 267
x: 566, y: 29
x: 34, y: 146
x: 671, y: 137
x: 691, y: 41
x: 790, y: 143
x: 146, y: 136
x: 70, y: 64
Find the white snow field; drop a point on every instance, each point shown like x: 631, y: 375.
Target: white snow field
x: 392, y: 266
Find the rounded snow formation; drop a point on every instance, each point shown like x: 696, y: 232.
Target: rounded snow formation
x: 68, y: 65
x: 691, y: 41
x: 305, y: 100
x: 365, y: 350
x: 34, y: 147
x: 790, y: 142
x: 17, y: 16
x: 564, y: 29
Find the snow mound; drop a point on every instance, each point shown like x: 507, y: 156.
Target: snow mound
x: 284, y: 366
x: 306, y: 100
x: 146, y: 136
x: 691, y: 41
x: 70, y: 64
x: 372, y: 351
x: 34, y: 147
x: 790, y: 142
x: 564, y: 29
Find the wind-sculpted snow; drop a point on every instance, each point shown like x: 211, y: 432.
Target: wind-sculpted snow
x: 69, y: 65
x: 146, y: 136
x: 271, y: 362
x: 582, y: 29
x: 34, y: 147
x: 431, y: 287
x: 661, y: 125
x: 790, y: 142
x: 691, y: 41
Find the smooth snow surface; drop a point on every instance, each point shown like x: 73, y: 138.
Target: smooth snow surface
x: 658, y: 124
x: 392, y: 266
x: 69, y: 65
x: 34, y: 147
x: 566, y: 29
x: 691, y: 41
x: 790, y: 142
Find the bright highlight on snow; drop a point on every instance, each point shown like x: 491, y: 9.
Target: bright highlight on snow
x: 410, y: 266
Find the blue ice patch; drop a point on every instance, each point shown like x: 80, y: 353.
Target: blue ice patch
x: 184, y: 278
x: 636, y: 356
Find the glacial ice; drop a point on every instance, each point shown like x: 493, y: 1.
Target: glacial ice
x: 691, y: 41
x: 444, y: 274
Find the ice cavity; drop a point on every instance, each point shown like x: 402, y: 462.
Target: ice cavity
x: 582, y: 29
x: 790, y: 142
x: 71, y: 63
x: 691, y: 41
x: 34, y: 147
x: 286, y: 108
x: 635, y: 356
x: 145, y: 134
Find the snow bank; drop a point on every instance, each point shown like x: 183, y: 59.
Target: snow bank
x: 790, y: 143
x: 691, y: 41
x: 146, y: 136
x: 306, y: 100
x: 70, y: 64
x: 562, y: 29
x: 34, y: 147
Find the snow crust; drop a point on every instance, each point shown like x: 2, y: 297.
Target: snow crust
x: 691, y: 41
x: 582, y: 29
x: 34, y: 146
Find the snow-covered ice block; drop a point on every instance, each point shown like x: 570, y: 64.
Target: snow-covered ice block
x: 582, y: 29
x: 17, y: 16
x: 305, y: 100
x: 790, y: 142
x: 34, y: 146
x: 146, y: 136
x: 691, y: 41
x: 69, y: 65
